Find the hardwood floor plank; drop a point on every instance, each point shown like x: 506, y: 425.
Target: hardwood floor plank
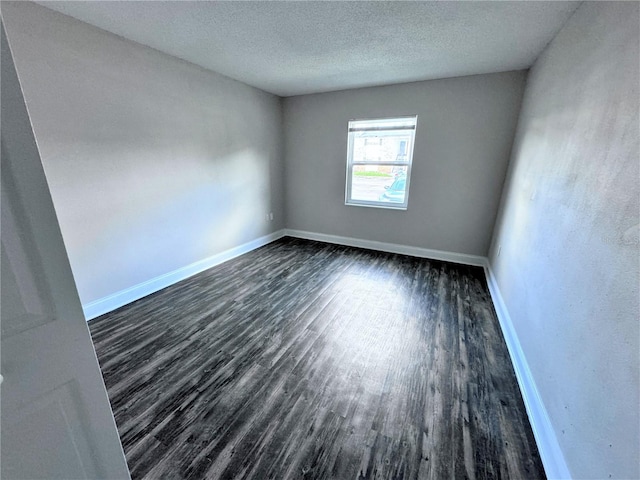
x: 307, y: 360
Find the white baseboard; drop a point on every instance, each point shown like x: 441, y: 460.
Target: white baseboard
x: 123, y: 297
x: 552, y: 458
x: 391, y: 247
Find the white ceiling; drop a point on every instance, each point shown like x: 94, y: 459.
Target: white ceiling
x: 291, y: 48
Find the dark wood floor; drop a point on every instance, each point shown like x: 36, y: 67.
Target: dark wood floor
x: 309, y: 360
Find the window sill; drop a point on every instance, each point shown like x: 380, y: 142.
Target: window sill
x: 384, y: 206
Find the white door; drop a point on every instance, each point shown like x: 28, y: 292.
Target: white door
x: 56, y: 421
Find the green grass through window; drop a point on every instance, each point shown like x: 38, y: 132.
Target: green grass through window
x: 371, y: 174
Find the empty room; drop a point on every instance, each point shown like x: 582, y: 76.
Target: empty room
x: 320, y: 240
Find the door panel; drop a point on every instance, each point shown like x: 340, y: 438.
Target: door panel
x: 25, y: 301
x: 56, y: 415
x: 56, y: 421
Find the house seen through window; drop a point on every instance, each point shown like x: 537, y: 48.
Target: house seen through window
x: 379, y: 156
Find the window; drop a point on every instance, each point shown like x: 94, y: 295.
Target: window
x: 379, y: 158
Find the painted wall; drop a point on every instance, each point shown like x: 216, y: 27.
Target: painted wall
x: 463, y: 140
x: 153, y: 163
x: 566, y: 249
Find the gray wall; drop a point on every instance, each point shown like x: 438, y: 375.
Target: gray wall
x: 568, y: 232
x: 464, y: 137
x: 153, y: 163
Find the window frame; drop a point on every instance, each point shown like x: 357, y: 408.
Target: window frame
x: 352, y: 124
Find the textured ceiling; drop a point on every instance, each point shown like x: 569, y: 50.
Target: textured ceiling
x: 291, y: 48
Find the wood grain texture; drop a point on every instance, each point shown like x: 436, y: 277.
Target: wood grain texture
x: 309, y: 360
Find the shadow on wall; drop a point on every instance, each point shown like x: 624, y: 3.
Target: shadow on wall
x: 173, y: 220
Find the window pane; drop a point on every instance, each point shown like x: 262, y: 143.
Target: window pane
x: 379, y: 159
x: 381, y: 146
x: 379, y: 183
